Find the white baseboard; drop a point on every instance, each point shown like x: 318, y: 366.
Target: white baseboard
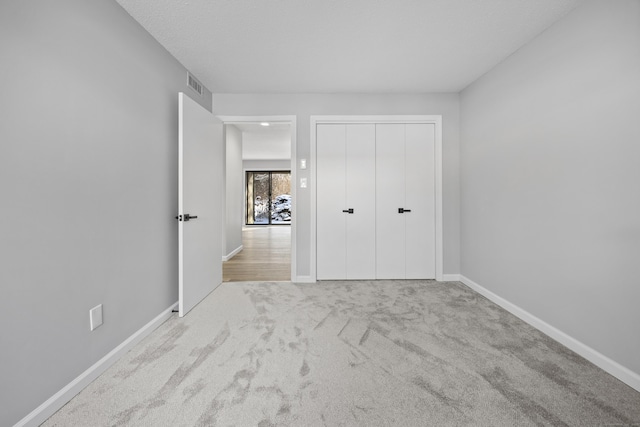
x: 232, y: 253
x: 58, y: 400
x: 445, y: 278
x: 614, y: 368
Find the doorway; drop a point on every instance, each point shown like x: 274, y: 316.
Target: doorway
x: 266, y: 256
x: 260, y: 226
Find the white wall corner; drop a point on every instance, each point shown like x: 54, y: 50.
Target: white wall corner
x: 450, y: 277
x: 62, y: 397
x: 612, y: 367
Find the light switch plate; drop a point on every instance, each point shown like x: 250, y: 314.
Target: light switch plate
x: 95, y: 317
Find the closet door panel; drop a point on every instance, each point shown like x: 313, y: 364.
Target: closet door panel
x: 331, y: 200
x: 390, y: 195
x: 360, y: 196
x: 420, y: 199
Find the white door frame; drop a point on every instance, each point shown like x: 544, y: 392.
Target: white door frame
x: 433, y: 119
x: 291, y: 120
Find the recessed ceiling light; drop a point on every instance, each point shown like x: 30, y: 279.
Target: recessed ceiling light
x: 264, y: 124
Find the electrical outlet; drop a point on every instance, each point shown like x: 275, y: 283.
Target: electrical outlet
x: 303, y: 182
x: 95, y: 317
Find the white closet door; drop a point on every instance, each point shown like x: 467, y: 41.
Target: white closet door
x: 420, y: 244
x: 360, y: 196
x: 390, y: 196
x: 331, y: 200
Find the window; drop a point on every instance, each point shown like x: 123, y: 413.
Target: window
x: 268, y: 197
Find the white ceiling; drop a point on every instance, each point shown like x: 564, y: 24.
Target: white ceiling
x: 328, y: 46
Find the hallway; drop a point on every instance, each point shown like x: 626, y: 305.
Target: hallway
x: 266, y: 256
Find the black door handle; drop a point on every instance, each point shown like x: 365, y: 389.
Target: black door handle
x: 186, y: 217
x: 350, y: 210
x: 402, y: 210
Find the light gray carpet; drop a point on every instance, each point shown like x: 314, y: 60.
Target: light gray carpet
x: 382, y: 353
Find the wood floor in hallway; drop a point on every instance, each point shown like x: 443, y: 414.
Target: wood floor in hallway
x: 266, y: 256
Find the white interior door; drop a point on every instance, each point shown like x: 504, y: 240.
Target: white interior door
x: 331, y: 201
x: 405, y: 201
x: 390, y: 196
x: 420, y: 185
x: 361, y: 197
x: 199, y: 203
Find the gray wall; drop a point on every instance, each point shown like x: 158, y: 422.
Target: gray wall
x: 304, y: 106
x: 266, y: 165
x: 234, y: 190
x: 88, y: 178
x: 550, y: 167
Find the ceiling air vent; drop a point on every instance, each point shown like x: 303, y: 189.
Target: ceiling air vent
x: 194, y: 84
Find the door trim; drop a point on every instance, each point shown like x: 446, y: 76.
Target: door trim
x: 406, y: 119
x: 229, y: 120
